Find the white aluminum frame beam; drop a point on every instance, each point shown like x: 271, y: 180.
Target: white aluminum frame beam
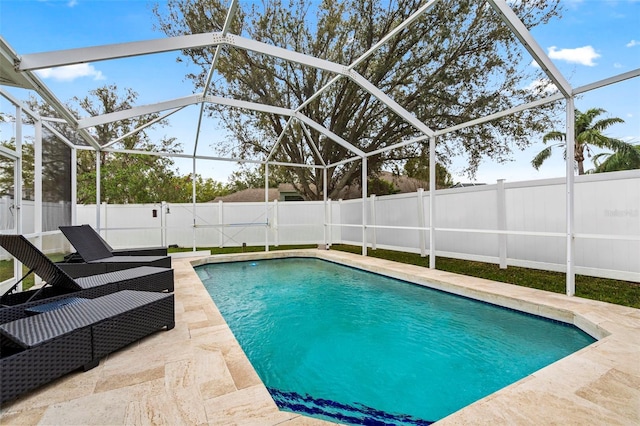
x: 121, y: 50
x: 18, y: 103
x: 523, y: 107
x: 280, y: 136
x: 345, y: 161
x: 179, y: 103
x: 518, y: 29
x: 390, y: 103
x: 607, y: 81
x: 410, y: 20
x: 59, y: 135
x: 139, y: 128
x: 328, y: 133
x: 138, y: 111
x: 60, y: 58
x: 39, y: 87
x: 212, y: 158
x: 227, y: 23
x: 13, y: 155
x: 310, y: 141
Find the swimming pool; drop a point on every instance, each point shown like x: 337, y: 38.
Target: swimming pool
x: 355, y: 347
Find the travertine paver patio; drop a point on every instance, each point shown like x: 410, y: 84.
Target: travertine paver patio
x: 197, y: 373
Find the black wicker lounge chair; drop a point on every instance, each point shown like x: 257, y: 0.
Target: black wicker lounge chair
x: 89, y: 233
x: 60, y: 286
x: 97, y: 256
x: 40, y: 348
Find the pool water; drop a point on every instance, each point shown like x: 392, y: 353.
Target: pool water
x: 354, y: 347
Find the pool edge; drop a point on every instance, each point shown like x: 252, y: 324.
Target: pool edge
x: 576, y: 379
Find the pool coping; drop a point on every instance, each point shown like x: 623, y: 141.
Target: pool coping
x: 599, y: 384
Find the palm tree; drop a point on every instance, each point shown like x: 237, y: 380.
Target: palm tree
x: 587, y: 132
x: 627, y: 159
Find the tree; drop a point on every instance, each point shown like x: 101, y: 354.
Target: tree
x: 418, y: 168
x: 206, y: 189
x: 456, y: 63
x: 125, y: 178
x: 587, y: 133
x: 253, y: 177
x: 7, y: 170
x: 624, y: 159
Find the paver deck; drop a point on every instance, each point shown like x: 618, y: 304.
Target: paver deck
x: 197, y: 374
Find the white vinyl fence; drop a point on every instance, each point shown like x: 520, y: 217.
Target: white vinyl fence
x: 519, y: 223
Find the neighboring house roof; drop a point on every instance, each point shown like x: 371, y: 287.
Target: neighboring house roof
x: 404, y: 184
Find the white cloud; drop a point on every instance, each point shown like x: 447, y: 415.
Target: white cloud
x: 72, y: 3
x: 580, y: 55
x: 633, y: 43
x: 71, y: 72
x: 617, y: 65
x: 541, y: 86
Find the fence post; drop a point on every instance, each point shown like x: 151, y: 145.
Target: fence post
x: 569, y: 188
x: 329, y: 223
x: 340, y: 206
x: 221, y: 223
x: 364, y: 206
x: 432, y: 202
x: 502, y: 223
x: 163, y: 224
x: 275, y: 223
x: 419, y: 196
x: 374, y: 222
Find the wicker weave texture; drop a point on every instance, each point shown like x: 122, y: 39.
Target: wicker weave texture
x: 29, y: 369
x: 77, y: 336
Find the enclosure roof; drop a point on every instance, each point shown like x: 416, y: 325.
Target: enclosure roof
x: 19, y: 70
x: 8, y: 61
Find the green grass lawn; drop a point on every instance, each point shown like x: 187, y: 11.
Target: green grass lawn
x: 606, y: 290
x: 6, y: 270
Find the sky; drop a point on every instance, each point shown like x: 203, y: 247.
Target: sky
x: 594, y: 39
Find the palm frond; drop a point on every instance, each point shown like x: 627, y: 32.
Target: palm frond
x: 621, y: 160
x: 554, y: 136
x: 541, y: 157
x: 603, y: 124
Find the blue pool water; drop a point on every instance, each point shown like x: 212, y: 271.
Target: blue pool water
x: 354, y: 347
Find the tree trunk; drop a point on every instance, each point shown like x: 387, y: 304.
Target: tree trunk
x: 579, y: 156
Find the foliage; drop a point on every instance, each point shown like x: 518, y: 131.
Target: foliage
x: 378, y: 186
x: 125, y: 177
x: 7, y: 169
x: 418, y: 168
x: 206, y: 189
x: 587, y: 133
x: 248, y: 177
x: 455, y: 63
x: 624, y: 159
x: 56, y: 169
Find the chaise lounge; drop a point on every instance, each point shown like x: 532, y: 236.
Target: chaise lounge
x: 60, y: 286
x: 37, y: 349
x: 98, y: 257
x: 86, y: 232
